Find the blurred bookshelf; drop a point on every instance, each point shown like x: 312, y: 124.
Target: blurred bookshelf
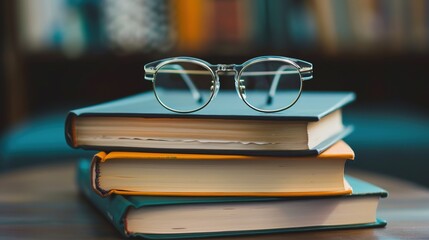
x: 68, y: 53
x: 224, y: 27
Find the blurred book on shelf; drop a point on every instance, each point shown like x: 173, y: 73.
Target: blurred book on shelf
x: 78, y: 27
x: 224, y: 27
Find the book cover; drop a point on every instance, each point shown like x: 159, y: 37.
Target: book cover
x: 178, y: 174
x: 116, y: 207
x: 311, y: 108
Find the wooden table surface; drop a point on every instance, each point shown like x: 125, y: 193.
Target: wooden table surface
x: 43, y: 203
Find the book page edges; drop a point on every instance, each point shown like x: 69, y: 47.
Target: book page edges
x: 379, y: 223
x: 339, y: 150
x: 346, y: 191
x: 329, y: 125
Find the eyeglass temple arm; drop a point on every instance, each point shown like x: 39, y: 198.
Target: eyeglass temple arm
x: 194, y: 91
x: 306, y: 73
x: 306, y: 69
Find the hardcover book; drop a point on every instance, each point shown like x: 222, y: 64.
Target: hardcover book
x: 161, y: 217
x: 142, y: 173
x: 225, y: 126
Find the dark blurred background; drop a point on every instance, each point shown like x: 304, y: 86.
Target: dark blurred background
x: 64, y: 54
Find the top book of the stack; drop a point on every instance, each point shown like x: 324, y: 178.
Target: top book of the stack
x: 225, y: 126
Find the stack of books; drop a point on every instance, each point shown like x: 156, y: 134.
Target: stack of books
x: 224, y: 170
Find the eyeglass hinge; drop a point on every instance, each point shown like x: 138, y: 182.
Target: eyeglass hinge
x: 149, y: 74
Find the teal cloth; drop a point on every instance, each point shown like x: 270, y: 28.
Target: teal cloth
x: 37, y: 140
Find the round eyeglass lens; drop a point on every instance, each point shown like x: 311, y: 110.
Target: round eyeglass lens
x: 270, y: 85
x: 183, y: 86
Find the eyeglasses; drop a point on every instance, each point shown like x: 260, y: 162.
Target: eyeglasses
x: 266, y: 84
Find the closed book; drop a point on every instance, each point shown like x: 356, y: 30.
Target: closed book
x: 225, y: 126
x: 142, y: 173
x: 162, y: 217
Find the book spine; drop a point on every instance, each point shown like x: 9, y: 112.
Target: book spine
x: 70, y: 131
x: 95, y: 173
x: 114, y: 208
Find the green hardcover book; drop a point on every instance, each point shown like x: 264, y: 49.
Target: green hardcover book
x: 225, y: 126
x: 188, y: 217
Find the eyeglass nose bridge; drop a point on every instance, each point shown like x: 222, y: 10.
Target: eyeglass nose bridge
x: 226, y: 69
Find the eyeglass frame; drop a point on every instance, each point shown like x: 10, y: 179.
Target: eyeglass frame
x: 305, y: 71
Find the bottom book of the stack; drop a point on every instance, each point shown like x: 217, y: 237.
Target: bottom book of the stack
x: 165, y: 217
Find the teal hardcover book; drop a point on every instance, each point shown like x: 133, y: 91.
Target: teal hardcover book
x: 225, y: 126
x: 189, y: 217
